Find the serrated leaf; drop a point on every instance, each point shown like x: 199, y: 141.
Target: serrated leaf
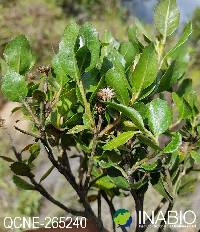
x: 14, y: 86
x: 18, y: 54
x: 64, y: 63
x: 22, y: 184
x: 166, y: 17
x: 91, y: 41
x: 118, y: 82
x: 159, y: 116
x: 130, y: 112
x: 174, y: 144
x: 34, y: 151
x: 8, y: 159
x: 76, y: 129
x: 183, y: 39
x: 119, y: 140
x: 47, y: 173
x: 145, y: 72
x: 20, y: 169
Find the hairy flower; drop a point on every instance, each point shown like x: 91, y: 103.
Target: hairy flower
x: 106, y: 94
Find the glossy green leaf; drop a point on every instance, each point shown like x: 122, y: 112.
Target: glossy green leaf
x: 14, y: 86
x: 21, y: 169
x: 174, y: 144
x: 18, y: 55
x: 34, y: 151
x: 166, y: 17
x: 65, y: 63
x: 159, y: 116
x: 119, y: 140
x: 183, y: 39
x: 89, y: 35
x: 118, y: 82
x: 22, y: 184
x: 130, y: 113
x: 129, y: 51
x: 145, y: 72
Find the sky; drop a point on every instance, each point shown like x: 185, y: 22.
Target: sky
x: 144, y: 9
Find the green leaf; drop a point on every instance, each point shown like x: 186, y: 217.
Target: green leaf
x: 149, y: 166
x: 64, y: 63
x: 120, y: 182
x: 174, y: 144
x: 183, y: 39
x: 89, y: 35
x: 183, y: 107
x: 21, y: 169
x: 195, y: 156
x: 166, y: 17
x: 157, y: 182
x: 34, y: 151
x: 47, y: 173
x: 119, y: 140
x: 130, y: 112
x: 129, y: 51
x: 145, y: 72
x: 76, y: 129
x: 14, y: 86
x: 105, y: 183
x: 118, y: 82
x: 148, y: 141
x: 8, y: 159
x: 18, y: 54
x: 159, y: 116
x: 22, y: 184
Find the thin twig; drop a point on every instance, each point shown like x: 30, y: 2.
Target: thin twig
x: 44, y: 193
x: 27, y: 132
x: 162, y: 224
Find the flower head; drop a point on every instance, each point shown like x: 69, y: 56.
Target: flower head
x: 106, y: 94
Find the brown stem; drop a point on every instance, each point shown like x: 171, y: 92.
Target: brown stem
x: 139, y: 202
x: 162, y: 224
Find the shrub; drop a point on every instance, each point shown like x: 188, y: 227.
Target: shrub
x: 125, y: 106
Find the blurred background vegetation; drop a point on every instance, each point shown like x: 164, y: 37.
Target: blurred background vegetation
x: 43, y: 22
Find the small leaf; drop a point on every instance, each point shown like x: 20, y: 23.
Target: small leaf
x: 64, y: 63
x: 22, y: 184
x: 8, y: 159
x: 130, y: 113
x: 183, y: 39
x: 34, y: 150
x: 159, y: 116
x: 47, y: 173
x: 149, y: 166
x: 145, y: 140
x: 145, y: 72
x: 196, y: 156
x: 14, y: 86
x: 120, y: 182
x: 174, y: 144
x: 166, y: 17
x: 118, y: 82
x: 119, y: 140
x: 18, y: 54
x: 76, y: 129
x: 128, y: 51
x: 105, y: 183
x: 91, y: 41
x: 21, y: 169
